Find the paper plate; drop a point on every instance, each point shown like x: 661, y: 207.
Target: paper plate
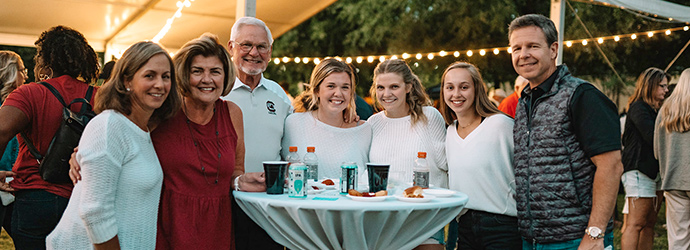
x: 369, y: 199
x: 427, y: 198
x: 439, y: 192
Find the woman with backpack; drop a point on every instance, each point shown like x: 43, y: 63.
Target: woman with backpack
x: 66, y: 61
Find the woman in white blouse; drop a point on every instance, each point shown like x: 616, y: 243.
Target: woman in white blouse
x: 479, y: 149
x: 407, y: 125
x: 325, y: 118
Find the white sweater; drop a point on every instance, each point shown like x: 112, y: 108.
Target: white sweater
x: 481, y: 165
x: 333, y: 145
x: 119, y: 191
x: 396, y: 141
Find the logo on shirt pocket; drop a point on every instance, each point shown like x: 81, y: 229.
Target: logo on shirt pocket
x: 271, y: 107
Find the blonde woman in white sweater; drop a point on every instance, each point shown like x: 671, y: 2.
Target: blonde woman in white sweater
x: 324, y: 118
x: 407, y: 125
x: 479, y: 148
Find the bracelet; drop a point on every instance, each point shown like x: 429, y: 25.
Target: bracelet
x: 237, y: 183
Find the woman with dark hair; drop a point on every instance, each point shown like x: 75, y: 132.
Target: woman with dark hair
x: 479, y: 148
x: 324, y: 118
x: 64, y: 60
x: 115, y: 205
x: 641, y: 179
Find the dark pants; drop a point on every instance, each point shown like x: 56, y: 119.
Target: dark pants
x: 6, y: 218
x: 482, y: 230
x: 248, y: 234
x: 36, y: 213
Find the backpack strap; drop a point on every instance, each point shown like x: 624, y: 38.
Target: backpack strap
x: 85, y: 106
x: 55, y: 92
x: 32, y: 149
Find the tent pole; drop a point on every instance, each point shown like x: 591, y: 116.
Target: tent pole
x: 245, y: 8
x: 558, y: 18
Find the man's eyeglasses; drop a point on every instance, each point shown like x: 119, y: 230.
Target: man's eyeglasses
x: 246, y: 47
x: 24, y: 71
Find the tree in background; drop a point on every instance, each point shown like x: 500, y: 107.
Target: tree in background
x: 371, y: 27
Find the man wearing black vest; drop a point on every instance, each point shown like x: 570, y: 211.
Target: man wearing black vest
x: 567, y: 147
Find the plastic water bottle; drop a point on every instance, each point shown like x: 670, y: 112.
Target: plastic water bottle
x: 312, y: 163
x: 292, y: 157
x: 421, y: 171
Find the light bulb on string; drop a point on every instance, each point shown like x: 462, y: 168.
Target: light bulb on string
x: 348, y: 60
x: 600, y: 40
x: 456, y: 54
x: 359, y: 59
x: 616, y: 38
x: 382, y: 58
x: 569, y: 43
x: 442, y: 53
x: 482, y: 52
x: 496, y: 51
x: 634, y: 36
x: 317, y: 60
x: 650, y: 34
x: 405, y: 56
x: 469, y: 53
x: 584, y: 42
x: 305, y: 60
x: 418, y: 56
x: 286, y: 59
x: 370, y: 59
x: 668, y: 32
x: 430, y: 56
x: 276, y: 61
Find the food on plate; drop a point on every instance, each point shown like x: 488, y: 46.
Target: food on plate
x: 328, y: 182
x: 414, y: 192
x: 353, y: 192
x: 315, y: 187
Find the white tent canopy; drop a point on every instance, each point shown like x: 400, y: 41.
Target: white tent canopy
x: 115, y: 24
x: 663, y: 9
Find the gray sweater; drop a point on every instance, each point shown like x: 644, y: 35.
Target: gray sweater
x: 674, y: 161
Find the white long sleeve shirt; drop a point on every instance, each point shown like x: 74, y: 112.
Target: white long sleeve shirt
x: 119, y: 191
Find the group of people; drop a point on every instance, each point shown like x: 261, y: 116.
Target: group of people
x: 175, y: 136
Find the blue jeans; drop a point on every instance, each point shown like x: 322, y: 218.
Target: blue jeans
x: 36, y: 213
x: 483, y: 230
x: 566, y: 245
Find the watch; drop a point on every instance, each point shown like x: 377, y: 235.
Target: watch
x: 594, y: 233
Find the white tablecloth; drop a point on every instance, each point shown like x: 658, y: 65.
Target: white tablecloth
x: 347, y: 224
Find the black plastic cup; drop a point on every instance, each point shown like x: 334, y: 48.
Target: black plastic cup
x: 275, y: 177
x: 378, y: 176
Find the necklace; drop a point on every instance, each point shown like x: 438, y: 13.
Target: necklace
x: 196, y: 146
x: 463, y: 127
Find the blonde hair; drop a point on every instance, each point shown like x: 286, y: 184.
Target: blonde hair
x: 675, y: 112
x: 309, y: 99
x: 10, y: 63
x: 483, y: 106
x: 648, y: 81
x: 415, y: 99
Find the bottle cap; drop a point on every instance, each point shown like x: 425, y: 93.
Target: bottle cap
x: 421, y: 155
x: 293, y: 149
x: 311, y: 149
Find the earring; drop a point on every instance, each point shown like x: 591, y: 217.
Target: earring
x: 43, y: 77
x: 128, y: 89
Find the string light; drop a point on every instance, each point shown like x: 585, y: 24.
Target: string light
x: 469, y: 53
x: 169, y: 22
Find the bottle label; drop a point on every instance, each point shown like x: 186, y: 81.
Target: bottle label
x: 297, y: 183
x: 421, y: 179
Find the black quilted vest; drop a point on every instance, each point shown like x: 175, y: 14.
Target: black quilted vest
x: 553, y: 174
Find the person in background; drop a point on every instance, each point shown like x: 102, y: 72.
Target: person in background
x: 497, y: 96
x: 363, y: 109
x: 476, y: 128
x: 407, y: 125
x: 115, y: 204
x: 264, y: 106
x: 567, y: 147
x: 641, y: 180
x: 105, y: 73
x: 671, y: 146
x: 34, y: 110
x: 12, y: 75
x: 509, y: 104
x: 325, y: 118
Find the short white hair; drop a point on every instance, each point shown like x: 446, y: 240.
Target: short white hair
x: 247, y: 20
